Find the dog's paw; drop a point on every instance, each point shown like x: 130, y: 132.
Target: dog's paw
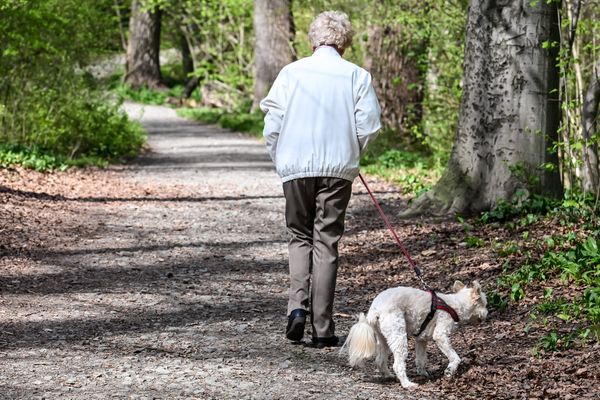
x: 409, y: 385
x: 423, y: 372
x: 449, y: 372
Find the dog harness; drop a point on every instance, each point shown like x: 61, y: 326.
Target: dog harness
x: 437, y: 304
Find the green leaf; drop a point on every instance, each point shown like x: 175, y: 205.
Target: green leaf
x: 564, y: 317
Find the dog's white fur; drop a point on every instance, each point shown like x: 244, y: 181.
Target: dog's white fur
x: 398, y: 312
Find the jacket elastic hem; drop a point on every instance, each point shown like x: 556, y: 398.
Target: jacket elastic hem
x: 349, y: 176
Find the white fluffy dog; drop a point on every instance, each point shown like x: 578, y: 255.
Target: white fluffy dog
x: 399, y: 312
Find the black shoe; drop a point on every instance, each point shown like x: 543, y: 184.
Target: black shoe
x: 295, y: 325
x: 333, y: 341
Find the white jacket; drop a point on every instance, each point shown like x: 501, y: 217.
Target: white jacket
x: 321, y: 113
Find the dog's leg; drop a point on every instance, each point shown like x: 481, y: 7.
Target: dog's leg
x: 383, y: 354
x: 421, y: 357
x: 442, y: 340
x: 393, y: 328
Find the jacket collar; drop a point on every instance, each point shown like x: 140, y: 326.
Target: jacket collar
x: 326, y: 51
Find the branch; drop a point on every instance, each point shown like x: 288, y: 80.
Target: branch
x: 575, y: 10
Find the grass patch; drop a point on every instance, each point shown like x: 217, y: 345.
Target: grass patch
x: 145, y: 95
x: 172, y: 77
x: 238, y: 121
x: 413, y: 170
x: 31, y: 158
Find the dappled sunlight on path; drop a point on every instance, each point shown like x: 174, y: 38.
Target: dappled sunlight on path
x: 165, y: 277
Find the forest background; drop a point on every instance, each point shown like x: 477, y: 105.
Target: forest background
x: 60, y: 95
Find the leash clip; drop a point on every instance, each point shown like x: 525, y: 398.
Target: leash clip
x: 419, y: 275
x: 423, y: 284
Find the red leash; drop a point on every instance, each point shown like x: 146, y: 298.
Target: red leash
x: 391, y: 228
x: 436, y: 302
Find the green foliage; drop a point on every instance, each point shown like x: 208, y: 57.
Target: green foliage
x: 413, y: 170
x: 204, y: 114
x: 528, y: 208
x: 508, y: 248
x: 576, y: 62
x: 243, y: 122
x: 219, y: 32
x: 438, y: 27
x: 51, y: 112
x: 78, y: 131
x: 496, y: 301
x: 394, y: 158
x: 238, y: 121
x: 576, y: 263
x: 474, y: 241
x: 567, y: 266
x: 146, y: 95
x: 444, y: 72
x: 142, y: 95
x: 172, y: 77
x: 549, y: 342
x: 408, y: 169
x: 70, y: 125
x: 41, y: 161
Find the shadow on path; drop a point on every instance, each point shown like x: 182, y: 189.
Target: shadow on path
x: 192, y: 199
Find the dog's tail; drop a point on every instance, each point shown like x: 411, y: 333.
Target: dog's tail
x: 361, y: 342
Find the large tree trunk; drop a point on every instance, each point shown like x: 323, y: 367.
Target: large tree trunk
x: 143, y: 67
x: 396, y: 76
x: 590, y: 178
x: 509, y: 112
x: 274, y: 33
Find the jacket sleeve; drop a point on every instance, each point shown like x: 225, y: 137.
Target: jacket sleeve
x: 367, y: 112
x: 274, y: 108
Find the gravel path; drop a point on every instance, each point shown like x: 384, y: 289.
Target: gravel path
x: 165, y: 278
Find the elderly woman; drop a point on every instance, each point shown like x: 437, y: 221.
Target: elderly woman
x: 321, y: 113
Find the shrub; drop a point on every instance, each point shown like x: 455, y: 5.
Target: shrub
x: 51, y: 112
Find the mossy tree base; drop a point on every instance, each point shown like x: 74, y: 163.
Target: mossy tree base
x: 509, y: 111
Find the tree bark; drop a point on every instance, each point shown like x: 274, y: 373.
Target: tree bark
x: 274, y: 32
x: 509, y: 112
x: 187, y: 60
x: 396, y: 76
x: 143, y: 66
x: 589, y: 118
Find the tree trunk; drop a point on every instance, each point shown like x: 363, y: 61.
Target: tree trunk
x: 509, y: 112
x: 143, y: 67
x: 274, y: 33
x: 187, y: 60
x: 396, y: 76
x: 590, y: 178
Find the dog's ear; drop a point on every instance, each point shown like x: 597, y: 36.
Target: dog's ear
x: 476, y: 290
x: 458, y: 285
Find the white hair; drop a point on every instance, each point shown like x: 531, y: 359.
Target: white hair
x: 331, y: 28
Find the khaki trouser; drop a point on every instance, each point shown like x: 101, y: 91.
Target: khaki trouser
x: 314, y: 213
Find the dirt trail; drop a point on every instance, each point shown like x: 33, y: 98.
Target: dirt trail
x: 166, y: 278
